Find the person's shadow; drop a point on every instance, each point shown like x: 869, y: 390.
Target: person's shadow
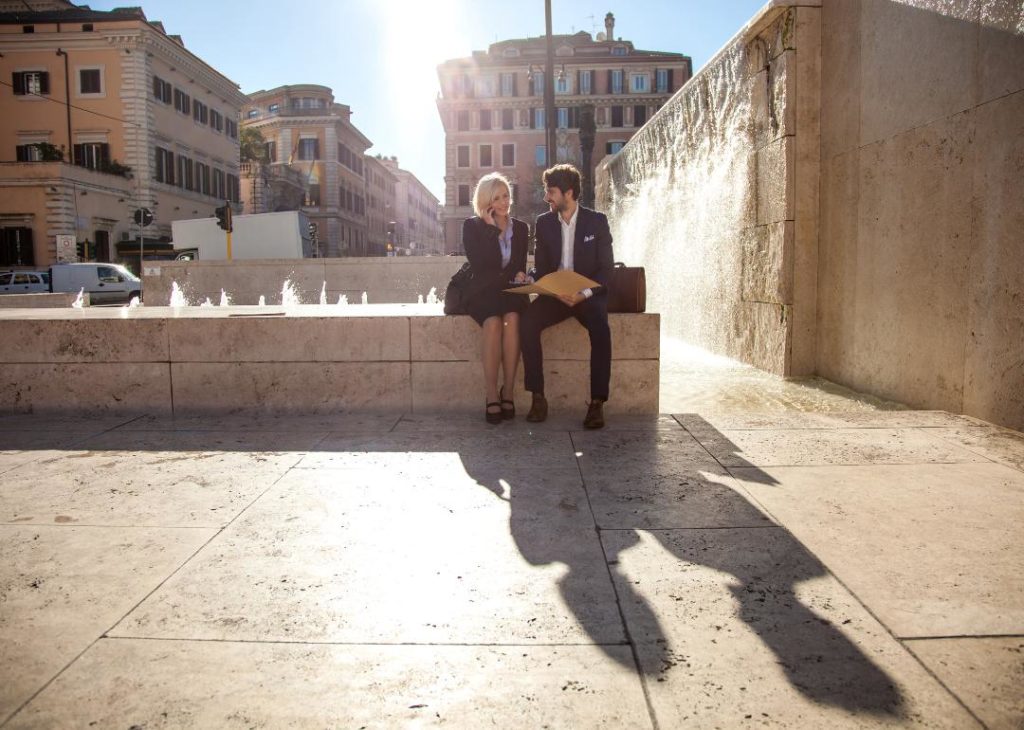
x: 664, y: 483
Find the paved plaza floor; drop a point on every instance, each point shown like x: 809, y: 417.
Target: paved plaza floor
x: 722, y: 566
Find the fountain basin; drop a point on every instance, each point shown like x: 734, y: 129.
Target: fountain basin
x: 401, y: 358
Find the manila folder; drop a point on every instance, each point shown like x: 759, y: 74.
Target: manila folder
x: 556, y: 284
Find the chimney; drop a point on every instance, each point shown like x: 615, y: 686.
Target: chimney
x: 609, y: 27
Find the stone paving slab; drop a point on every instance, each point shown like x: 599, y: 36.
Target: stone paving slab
x: 345, y: 556
x: 836, y: 446
x: 998, y: 444
x: 817, y: 420
x: 166, y: 487
x: 986, y: 674
x: 348, y: 423
x: 932, y: 549
x: 122, y: 683
x: 25, y: 422
x: 744, y: 628
x: 61, y: 587
x: 17, y: 449
x: 555, y: 423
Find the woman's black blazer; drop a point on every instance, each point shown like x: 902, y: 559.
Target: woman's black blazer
x: 480, y: 240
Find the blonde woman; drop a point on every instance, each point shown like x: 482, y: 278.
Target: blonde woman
x: 495, y: 244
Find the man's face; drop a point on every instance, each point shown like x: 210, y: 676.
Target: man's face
x: 557, y: 200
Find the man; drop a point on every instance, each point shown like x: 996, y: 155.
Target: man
x: 571, y: 237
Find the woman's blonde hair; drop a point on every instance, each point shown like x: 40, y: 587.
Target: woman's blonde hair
x: 486, y: 189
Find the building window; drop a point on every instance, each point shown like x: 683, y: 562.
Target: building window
x: 312, y: 196
x: 540, y: 155
x: 563, y: 117
x: 28, y: 153
x: 219, y: 189
x: 252, y: 113
x: 233, y: 189
x: 612, y: 147
x: 619, y: 51
x: 617, y: 116
x: 538, y: 119
x: 309, y: 149
x: 485, y: 119
x: 615, y: 81
x: 485, y: 156
x: 507, y: 118
x: 200, y: 112
x: 485, y: 87
x: 639, y: 115
x: 586, y: 82
x: 274, y: 108
x: 462, y: 120
x: 16, y: 247
x: 537, y: 83
x: 90, y: 81
x: 661, y: 80
x: 31, y: 82
x: 164, y: 168
x: 93, y: 155
x: 508, y: 155
x: 182, y: 102
x: 508, y: 84
x: 162, y: 90
x: 202, y: 178
x: 216, y: 120
x: 638, y: 83
x: 562, y: 84
x: 462, y: 155
x: 87, y: 27
x: 185, y: 179
x: 510, y: 53
x: 28, y: 28
x: 271, y: 148
x: 463, y: 195
x: 231, y: 127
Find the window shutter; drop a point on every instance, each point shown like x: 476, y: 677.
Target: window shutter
x: 593, y: 81
x: 18, y: 81
x: 21, y: 153
x: 533, y: 119
x: 579, y: 81
x: 609, y: 90
x: 670, y: 80
x: 104, y: 155
x: 607, y: 148
x: 170, y: 168
x: 529, y: 80
x: 44, y: 82
x: 78, y: 157
x: 515, y: 84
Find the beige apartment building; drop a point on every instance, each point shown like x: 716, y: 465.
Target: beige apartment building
x: 417, y: 228
x: 308, y: 132
x: 492, y: 108
x: 103, y: 113
x: 381, y: 189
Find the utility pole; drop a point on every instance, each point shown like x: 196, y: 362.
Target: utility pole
x: 550, y: 118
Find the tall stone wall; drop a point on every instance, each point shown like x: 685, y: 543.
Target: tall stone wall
x: 717, y: 197
x: 921, y: 295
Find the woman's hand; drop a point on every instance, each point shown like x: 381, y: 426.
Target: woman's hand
x: 520, y: 277
x: 488, y: 217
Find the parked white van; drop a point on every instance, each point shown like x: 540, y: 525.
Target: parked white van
x: 105, y: 283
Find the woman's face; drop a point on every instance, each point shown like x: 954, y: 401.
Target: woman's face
x: 501, y: 202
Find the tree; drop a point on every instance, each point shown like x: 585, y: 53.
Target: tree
x: 252, y: 146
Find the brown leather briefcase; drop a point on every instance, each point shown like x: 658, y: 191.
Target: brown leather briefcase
x: 627, y: 290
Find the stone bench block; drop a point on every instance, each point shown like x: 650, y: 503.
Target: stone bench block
x: 634, y: 337
x: 289, y: 339
x: 85, y: 388
x: 83, y: 340
x: 291, y: 387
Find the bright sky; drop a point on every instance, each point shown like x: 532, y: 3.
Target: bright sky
x: 380, y: 56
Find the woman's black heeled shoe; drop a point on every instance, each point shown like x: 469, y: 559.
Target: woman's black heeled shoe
x: 492, y: 417
x: 507, y: 412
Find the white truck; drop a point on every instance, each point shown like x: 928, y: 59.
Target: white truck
x: 104, y: 283
x: 284, y: 235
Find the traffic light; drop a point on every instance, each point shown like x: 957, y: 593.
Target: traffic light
x: 223, y: 214
x: 313, y: 230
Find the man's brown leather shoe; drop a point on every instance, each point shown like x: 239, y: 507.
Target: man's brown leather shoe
x: 595, y: 415
x: 538, y: 409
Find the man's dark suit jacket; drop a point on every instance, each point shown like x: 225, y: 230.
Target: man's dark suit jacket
x: 592, y: 250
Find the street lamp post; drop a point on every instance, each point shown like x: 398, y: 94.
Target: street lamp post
x: 549, y: 87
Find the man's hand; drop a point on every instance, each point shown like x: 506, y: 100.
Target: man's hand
x: 520, y: 277
x: 571, y: 300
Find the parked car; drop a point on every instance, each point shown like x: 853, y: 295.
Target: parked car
x: 105, y: 283
x: 24, y: 282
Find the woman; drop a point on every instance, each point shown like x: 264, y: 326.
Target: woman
x: 495, y: 244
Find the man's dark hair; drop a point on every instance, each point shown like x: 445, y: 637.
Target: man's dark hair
x: 564, y: 177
